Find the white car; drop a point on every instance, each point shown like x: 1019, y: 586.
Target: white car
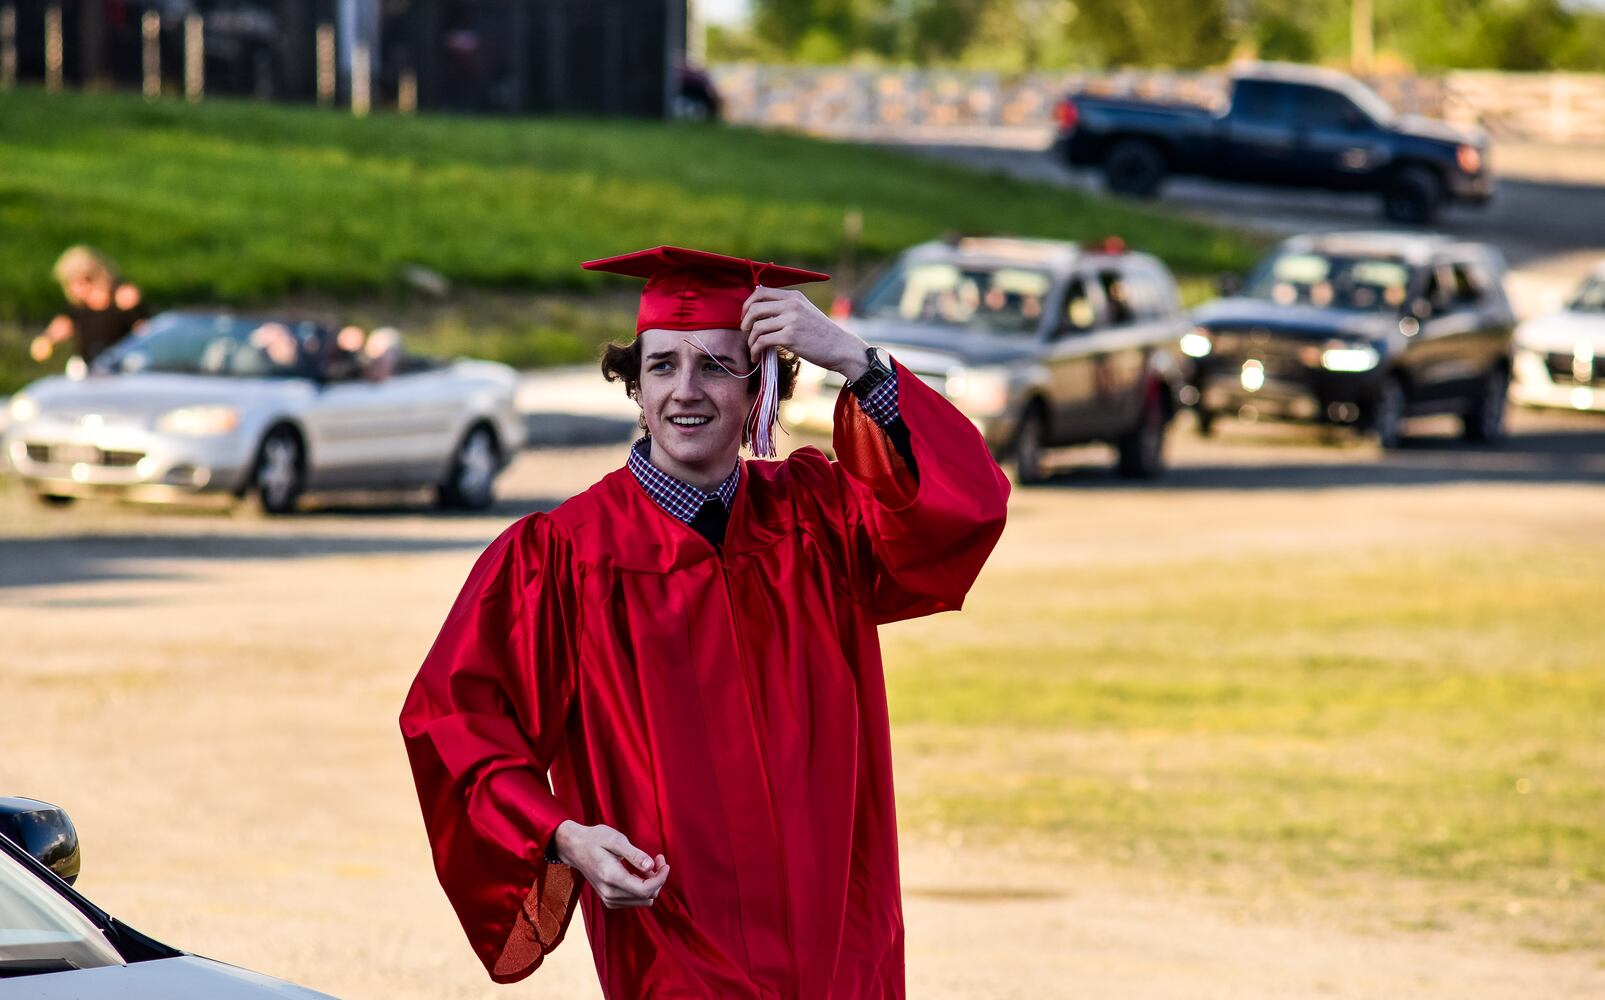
x: 213, y: 403
x: 1560, y: 357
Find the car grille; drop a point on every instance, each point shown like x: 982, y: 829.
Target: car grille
x: 1280, y: 356
x: 1566, y: 369
x: 82, y: 454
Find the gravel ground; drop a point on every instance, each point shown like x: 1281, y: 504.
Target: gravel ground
x: 213, y: 698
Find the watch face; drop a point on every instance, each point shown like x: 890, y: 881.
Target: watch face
x: 882, y: 357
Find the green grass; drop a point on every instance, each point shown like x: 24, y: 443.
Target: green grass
x: 1426, y: 732
x: 247, y: 204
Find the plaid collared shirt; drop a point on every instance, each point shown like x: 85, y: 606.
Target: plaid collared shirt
x: 682, y: 500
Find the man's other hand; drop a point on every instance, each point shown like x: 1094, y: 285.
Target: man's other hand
x: 621, y: 873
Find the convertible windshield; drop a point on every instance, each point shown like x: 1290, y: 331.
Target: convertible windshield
x: 186, y: 344
x: 997, y: 299
x: 42, y: 932
x: 1330, y: 281
x: 1590, y: 298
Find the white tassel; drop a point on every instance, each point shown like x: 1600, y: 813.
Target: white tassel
x: 766, y: 408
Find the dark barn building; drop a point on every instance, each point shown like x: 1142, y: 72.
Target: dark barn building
x: 602, y: 57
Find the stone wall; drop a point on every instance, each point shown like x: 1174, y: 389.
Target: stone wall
x: 1528, y: 107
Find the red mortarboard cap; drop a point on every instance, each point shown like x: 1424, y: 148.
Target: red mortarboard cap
x: 694, y: 289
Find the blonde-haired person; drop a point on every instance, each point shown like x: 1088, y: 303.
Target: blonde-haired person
x: 101, y: 307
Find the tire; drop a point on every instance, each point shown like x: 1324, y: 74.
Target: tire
x: 1387, y: 414
x: 1030, y: 444
x: 1413, y: 196
x: 280, y: 474
x: 1142, y: 449
x: 1206, y: 422
x: 471, y: 482
x: 1484, y: 423
x: 1135, y: 168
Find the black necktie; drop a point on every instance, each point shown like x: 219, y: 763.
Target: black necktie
x: 710, y: 520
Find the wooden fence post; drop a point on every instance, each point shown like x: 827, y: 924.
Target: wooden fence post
x: 150, y: 29
x: 53, y: 49
x: 8, y: 47
x: 194, y: 58
x: 325, y: 59
x: 361, y: 81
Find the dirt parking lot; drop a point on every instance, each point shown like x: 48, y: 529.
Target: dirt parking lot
x: 213, y: 699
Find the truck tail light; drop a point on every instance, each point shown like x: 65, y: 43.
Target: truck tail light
x: 1065, y: 114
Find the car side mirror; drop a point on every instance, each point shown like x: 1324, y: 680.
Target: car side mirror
x: 1228, y: 284
x: 44, y: 831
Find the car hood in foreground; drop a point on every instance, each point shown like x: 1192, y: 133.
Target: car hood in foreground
x: 187, y: 977
x: 151, y: 395
x: 972, y: 347
x: 1304, y: 322
x: 1563, y: 331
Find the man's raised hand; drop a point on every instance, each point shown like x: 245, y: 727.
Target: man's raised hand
x: 610, y: 862
x: 783, y: 317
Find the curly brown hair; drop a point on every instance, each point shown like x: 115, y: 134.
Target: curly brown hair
x: 622, y: 363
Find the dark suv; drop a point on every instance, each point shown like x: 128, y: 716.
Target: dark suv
x: 1362, y: 329
x: 1040, y: 343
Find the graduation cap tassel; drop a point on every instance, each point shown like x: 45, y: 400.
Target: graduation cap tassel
x: 765, y: 411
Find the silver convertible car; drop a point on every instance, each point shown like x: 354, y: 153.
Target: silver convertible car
x: 208, y: 403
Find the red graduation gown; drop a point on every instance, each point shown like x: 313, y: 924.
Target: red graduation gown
x: 724, y: 708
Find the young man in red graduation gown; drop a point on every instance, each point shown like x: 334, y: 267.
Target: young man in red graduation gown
x: 688, y: 651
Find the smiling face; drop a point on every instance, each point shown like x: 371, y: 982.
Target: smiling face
x: 694, y: 410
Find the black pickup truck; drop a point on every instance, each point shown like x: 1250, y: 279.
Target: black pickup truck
x: 1291, y: 126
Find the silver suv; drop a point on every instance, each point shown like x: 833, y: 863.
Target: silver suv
x: 1041, y: 343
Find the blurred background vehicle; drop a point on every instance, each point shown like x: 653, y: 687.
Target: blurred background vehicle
x: 55, y: 944
x: 1560, y: 357
x: 696, y: 97
x: 214, y: 403
x: 1041, y: 343
x: 1286, y: 126
x: 1361, y: 329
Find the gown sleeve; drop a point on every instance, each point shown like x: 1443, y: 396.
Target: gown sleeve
x: 915, y: 540
x: 482, y: 722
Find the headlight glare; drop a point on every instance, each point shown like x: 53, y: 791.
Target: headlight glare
x: 1197, y: 344
x: 1469, y: 158
x: 978, y: 392
x: 22, y: 409
x: 199, y: 421
x: 1361, y: 358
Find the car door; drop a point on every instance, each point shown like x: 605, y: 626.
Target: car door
x: 1068, y: 360
x: 1335, y: 144
x: 1258, y: 134
x: 1441, y: 357
x: 378, y: 434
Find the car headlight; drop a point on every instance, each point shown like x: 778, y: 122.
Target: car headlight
x: 199, y: 421
x: 1361, y: 358
x: 22, y: 409
x: 1469, y: 158
x: 1197, y: 344
x: 978, y: 392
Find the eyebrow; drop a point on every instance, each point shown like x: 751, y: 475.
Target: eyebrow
x: 671, y: 355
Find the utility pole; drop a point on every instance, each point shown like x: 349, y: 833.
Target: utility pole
x: 1360, y: 41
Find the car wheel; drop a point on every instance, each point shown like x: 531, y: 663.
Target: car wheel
x: 1142, y: 449
x: 1485, y: 421
x: 470, y: 485
x: 1030, y: 445
x: 1134, y: 167
x: 1412, y: 196
x: 1387, y: 414
x: 1206, y: 422
x: 280, y: 474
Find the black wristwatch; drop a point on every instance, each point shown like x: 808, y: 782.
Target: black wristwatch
x: 878, y: 372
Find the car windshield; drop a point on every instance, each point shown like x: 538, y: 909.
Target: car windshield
x: 201, y: 344
x: 1590, y: 298
x: 1332, y: 281
x: 42, y: 932
x: 996, y: 299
